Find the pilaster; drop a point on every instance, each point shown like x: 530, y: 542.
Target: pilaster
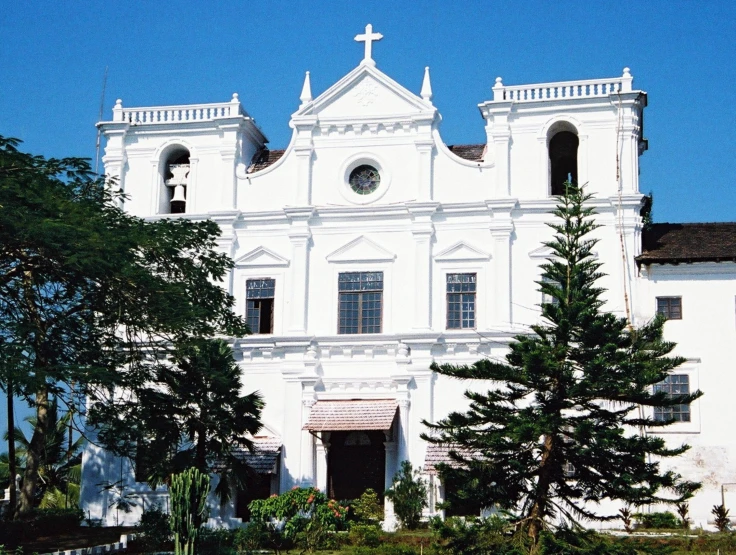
x: 299, y: 235
x: 422, y: 231
x: 424, y: 169
x: 500, y: 285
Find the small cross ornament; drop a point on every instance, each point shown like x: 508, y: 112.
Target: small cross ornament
x: 368, y: 37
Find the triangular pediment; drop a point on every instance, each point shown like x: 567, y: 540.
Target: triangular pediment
x: 365, y: 92
x: 541, y: 252
x: 361, y: 249
x: 261, y: 257
x: 545, y: 252
x: 462, y: 252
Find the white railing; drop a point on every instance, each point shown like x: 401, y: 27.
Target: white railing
x: 564, y: 90
x: 177, y: 114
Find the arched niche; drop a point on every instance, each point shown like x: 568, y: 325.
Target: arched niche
x: 174, y: 172
x: 562, y: 150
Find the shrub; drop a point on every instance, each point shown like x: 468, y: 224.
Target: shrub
x: 48, y: 521
x: 720, y: 515
x: 368, y: 508
x: 664, y: 520
x: 309, y: 517
x: 153, y: 532
x: 365, y: 535
x: 409, y: 496
x: 477, y: 536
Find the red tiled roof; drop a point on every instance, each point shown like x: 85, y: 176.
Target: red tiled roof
x: 365, y: 414
x: 265, y: 455
x: 474, y: 153
x: 683, y: 243
x: 440, y: 453
x: 264, y: 158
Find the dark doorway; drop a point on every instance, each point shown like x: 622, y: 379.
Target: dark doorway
x: 563, y: 159
x: 356, y: 462
x: 260, y: 488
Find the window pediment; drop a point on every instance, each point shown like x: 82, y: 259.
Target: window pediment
x: 462, y: 252
x: 361, y: 249
x: 261, y: 257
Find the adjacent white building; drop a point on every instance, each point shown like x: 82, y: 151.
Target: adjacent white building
x: 369, y: 249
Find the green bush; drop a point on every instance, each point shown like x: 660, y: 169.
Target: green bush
x: 386, y: 549
x: 408, y: 493
x: 368, y: 507
x: 153, y: 532
x: 365, y: 535
x: 663, y: 520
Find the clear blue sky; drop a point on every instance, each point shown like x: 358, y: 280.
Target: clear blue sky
x: 53, y: 57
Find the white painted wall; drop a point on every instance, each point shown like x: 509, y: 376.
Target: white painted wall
x: 298, y: 222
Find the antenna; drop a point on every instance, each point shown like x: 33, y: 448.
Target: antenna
x: 99, y: 118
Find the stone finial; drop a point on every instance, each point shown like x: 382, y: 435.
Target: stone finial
x: 117, y: 111
x: 426, y: 93
x: 306, y: 95
x: 626, y: 80
x: 235, y: 98
x: 498, y: 89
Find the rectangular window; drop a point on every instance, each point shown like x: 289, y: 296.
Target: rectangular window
x: 546, y: 298
x: 676, y: 384
x: 361, y: 300
x: 260, y: 295
x: 461, y: 301
x: 670, y: 307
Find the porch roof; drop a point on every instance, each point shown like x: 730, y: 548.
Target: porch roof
x: 355, y: 414
x: 439, y: 453
x: 265, y: 455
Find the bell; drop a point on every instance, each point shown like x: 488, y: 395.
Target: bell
x: 178, y: 194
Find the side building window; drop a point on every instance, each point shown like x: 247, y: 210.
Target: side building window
x: 259, y: 296
x: 676, y: 384
x: 670, y: 307
x: 461, y: 301
x: 360, y: 302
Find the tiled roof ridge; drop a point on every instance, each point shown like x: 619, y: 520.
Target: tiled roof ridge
x: 688, y: 242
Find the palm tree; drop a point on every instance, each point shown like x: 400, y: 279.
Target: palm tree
x: 61, y: 461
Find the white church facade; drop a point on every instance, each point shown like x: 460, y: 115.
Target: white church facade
x: 369, y: 249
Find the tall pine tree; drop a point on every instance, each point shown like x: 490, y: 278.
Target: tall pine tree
x: 561, y: 429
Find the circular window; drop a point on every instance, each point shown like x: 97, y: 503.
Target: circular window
x: 364, y: 179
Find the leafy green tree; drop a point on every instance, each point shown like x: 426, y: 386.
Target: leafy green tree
x: 556, y: 434
x: 190, y: 414
x: 87, y: 290
x: 408, y: 493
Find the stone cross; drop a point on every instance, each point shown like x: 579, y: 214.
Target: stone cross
x: 368, y: 37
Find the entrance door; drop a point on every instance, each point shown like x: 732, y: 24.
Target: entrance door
x: 356, y: 462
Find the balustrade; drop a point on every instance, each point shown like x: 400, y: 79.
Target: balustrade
x: 565, y: 90
x: 177, y: 114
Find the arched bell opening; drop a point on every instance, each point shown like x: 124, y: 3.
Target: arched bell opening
x: 175, y: 177
x: 563, y: 160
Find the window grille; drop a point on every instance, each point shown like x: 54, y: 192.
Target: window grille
x: 260, y: 296
x: 676, y: 384
x: 461, y: 289
x: 361, y: 302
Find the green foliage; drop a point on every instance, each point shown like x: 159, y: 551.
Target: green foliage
x: 578, y: 540
x: 190, y: 414
x: 720, y: 516
x: 366, y: 535
x: 60, y: 461
x: 627, y: 518
x: 408, y: 493
x: 683, y: 510
x: 75, y: 271
x: 153, y: 532
x: 368, y: 507
x: 188, y: 491
x: 663, y: 520
x: 309, y: 517
x: 386, y: 549
x: 568, y: 397
x: 476, y: 536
